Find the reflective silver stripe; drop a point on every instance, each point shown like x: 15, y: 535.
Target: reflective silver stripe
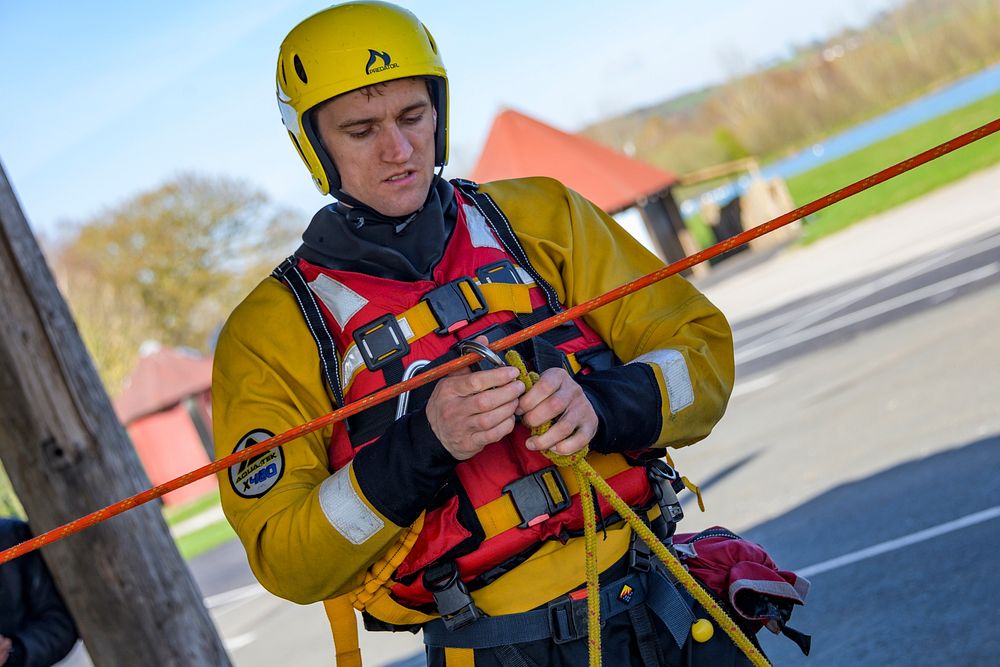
x: 345, y: 510
x: 524, y: 276
x: 352, y: 362
x: 672, y: 364
x: 342, y: 302
x: 479, y: 232
x: 404, y: 398
x: 404, y: 326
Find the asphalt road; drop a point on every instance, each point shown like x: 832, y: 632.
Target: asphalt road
x: 866, y: 303
x: 867, y: 459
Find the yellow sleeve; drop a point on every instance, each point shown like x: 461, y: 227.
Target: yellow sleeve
x: 582, y: 252
x: 309, y: 535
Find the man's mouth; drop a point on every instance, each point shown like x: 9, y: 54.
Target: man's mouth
x: 398, y: 177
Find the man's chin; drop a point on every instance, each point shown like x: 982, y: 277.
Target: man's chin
x: 400, y: 207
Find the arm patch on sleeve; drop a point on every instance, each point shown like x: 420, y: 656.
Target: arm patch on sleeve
x: 676, y: 377
x: 345, y: 510
x: 255, y: 477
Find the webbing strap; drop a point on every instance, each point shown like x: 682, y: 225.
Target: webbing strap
x: 645, y: 637
x: 458, y: 657
x: 670, y: 606
x: 535, y: 625
x: 420, y: 321
x: 500, y: 514
x: 288, y: 272
x: 505, y: 232
x: 511, y: 656
x: 344, y: 627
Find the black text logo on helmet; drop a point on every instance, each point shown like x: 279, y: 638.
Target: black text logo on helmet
x: 376, y: 56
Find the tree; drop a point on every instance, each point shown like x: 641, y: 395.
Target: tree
x: 169, y: 265
x: 126, y: 585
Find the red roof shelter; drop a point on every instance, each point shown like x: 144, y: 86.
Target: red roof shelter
x: 520, y: 146
x: 166, y: 409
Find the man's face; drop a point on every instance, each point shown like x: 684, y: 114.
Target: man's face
x: 381, y: 140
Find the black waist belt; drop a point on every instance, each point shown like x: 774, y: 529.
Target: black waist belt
x: 565, y: 619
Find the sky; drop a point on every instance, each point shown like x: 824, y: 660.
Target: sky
x: 104, y: 99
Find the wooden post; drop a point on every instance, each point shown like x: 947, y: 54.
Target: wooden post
x: 126, y: 585
x: 666, y: 226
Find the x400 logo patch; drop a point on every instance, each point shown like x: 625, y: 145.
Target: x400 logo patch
x: 255, y: 477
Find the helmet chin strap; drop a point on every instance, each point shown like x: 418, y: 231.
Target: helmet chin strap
x: 359, y: 213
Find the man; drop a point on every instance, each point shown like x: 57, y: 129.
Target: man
x: 438, y: 510
x: 36, y: 629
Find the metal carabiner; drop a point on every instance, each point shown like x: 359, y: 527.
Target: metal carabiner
x: 488, y: 355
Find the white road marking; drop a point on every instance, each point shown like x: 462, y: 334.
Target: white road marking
x: 235, y: 595
x: 753, y: 385
x: 197, y: 522
x: 755, y: 352
x: 808, y: 312
x: 797, y: 317
x: 239, y: 641
x: 900, y: 542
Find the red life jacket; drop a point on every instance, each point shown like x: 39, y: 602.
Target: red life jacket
x: 510, y: 499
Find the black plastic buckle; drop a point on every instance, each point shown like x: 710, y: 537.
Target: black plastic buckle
x: 452, y: 598
x: 381, y: 342
x: 662, y: 478
x: 640, y: 555
x: 532, y: 499
x: 568, y: 619
x: 450, y: 307
x: 499, y: 272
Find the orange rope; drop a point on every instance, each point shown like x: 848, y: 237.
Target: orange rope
x: 387, y: 393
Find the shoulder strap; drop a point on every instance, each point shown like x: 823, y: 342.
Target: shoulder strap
x: 505, y: 232
x: 288, y: 272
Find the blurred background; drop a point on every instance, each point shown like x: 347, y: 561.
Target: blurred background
x: 144, y: 144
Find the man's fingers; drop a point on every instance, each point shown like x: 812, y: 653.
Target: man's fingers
x: 558, y: 431
x: 473, y: 383
x: 486, y: 421
x: 552, y: 407
x: 497, y: 432
x: 544, y: 386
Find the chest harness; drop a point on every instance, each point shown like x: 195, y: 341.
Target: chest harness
x: 502, y: 504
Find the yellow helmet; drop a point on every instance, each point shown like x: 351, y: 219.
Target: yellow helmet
x: 346, y: 47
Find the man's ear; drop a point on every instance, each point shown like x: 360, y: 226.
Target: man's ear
x: 434, y: 115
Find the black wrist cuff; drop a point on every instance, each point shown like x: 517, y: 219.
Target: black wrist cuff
x: 401, y: 472
x: 628, y: 406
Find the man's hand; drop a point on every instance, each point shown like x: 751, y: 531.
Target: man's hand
x: 5, y: 646
x: 557, y: 396
x: 468, y: 411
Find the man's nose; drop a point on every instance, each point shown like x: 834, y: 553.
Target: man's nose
x: 396, y: 147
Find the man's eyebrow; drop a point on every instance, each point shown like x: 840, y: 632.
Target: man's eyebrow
x: 416, y: 106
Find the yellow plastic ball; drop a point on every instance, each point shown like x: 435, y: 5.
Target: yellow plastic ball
x: 702, y: 630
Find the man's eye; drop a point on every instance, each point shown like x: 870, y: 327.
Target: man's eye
x: 412, y: 120
x: 361, y: 134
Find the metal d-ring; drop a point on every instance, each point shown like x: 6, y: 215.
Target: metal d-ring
x: 483, y: 351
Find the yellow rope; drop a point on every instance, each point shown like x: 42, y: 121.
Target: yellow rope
x: 587, y: 477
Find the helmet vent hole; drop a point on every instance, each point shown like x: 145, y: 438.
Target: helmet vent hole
x: 297, y: 147
x: 284, y: 79
x: 434, y: 46
x: 300, y: 68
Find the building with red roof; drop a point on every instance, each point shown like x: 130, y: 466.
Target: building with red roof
x: 520, y: 146
x: 166, y: 409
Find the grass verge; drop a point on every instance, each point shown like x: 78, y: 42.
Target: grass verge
x: 822, y: 180
x: 204, y: 539
x: 174, y: 515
